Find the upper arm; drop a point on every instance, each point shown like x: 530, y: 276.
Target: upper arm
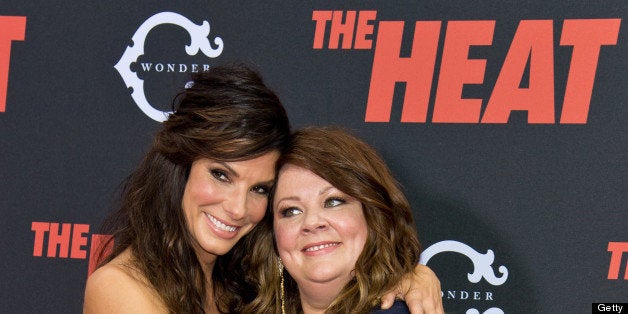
x: 113, y: 290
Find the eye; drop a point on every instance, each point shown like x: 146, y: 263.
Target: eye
x: 261, y: 189
x: 220, y: 175
x: 289, y: 212
x: 333, y: 202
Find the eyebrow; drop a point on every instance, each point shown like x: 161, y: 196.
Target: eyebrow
x: 289, y: 198
x: 296, y: 198
x: 270, y: 182
x: 324, y: 190
x: 231, y: 170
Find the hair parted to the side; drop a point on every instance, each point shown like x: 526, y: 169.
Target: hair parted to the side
x: 227, y: 114
x: 392, y: 248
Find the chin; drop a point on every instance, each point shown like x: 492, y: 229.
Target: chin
x: 217, y: 250
x: 323, y: 275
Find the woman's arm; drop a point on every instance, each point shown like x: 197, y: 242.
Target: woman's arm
x: 421, y: 291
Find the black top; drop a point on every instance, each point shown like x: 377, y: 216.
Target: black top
x: 399, y: 307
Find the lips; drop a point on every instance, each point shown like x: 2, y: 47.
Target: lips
x: 221, y: 225
x: 318, y: 247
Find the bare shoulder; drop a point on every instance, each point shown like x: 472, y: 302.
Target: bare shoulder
x: 117, y: 288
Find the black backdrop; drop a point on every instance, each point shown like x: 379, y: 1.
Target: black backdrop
x: 519, y: 216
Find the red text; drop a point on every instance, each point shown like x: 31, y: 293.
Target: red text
x: 11, y: 28
x: 65, y: 240
x: 532, y: 46
x: 617, y: 249
x: 347, y: 27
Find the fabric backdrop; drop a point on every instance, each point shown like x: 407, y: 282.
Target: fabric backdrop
x: 505, y: 122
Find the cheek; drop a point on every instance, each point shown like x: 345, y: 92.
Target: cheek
x: 356, y: 229
x: 200, y: 192
x: 257, y: 210
x: 284, y: 236
x: 188, y: 199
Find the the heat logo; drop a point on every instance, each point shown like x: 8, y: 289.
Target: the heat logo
x: 63, y: 240
x: 482, y: 269
x: 11, y: 28
x: 531, y: 53
x: 199, y: 42
x: 617, y: 250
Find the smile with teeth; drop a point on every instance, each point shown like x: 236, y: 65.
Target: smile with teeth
x: 322, y: 246
x: 221, y: 225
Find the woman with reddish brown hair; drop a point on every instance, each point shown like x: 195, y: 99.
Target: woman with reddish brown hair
x: 343, y: 230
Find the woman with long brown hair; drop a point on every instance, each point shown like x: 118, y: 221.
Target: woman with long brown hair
x: 186, y: 211
x: 201, y: 187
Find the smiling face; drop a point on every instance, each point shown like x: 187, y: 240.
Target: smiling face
x: 320, y: 230
x: 223, y: 201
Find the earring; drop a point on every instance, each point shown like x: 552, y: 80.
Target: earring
x: 280, y: 266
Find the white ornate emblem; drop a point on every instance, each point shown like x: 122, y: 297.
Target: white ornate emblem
x: 199, y: 42
x: 482, y: 263
x: 492, y: 310
x: 482, y: 266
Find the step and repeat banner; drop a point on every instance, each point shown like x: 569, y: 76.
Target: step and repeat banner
x: 505, y: 122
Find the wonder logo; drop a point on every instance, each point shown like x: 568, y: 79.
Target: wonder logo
x: 199, y: 43
x: 482, y: 270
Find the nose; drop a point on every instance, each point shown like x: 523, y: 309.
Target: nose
x: 314, y: 221
x: 235, y: 206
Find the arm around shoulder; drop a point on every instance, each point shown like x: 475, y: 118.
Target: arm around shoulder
x: 420, y: 290
x: 111, y: 289
x: 423, y: 294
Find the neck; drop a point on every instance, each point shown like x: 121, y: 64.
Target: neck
x: 207, y: 261
x: 207, y: 264
x: 316, y: 297
x: 208, y: 268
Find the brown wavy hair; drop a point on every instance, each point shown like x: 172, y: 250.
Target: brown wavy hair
x: 392, y: 248
x: 228, y: 114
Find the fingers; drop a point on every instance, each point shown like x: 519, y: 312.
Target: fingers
x: 419, y: 303
x: 423, y: 292
x: 387, y: 300
x: 439, y: 305
x: 415, y: 303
